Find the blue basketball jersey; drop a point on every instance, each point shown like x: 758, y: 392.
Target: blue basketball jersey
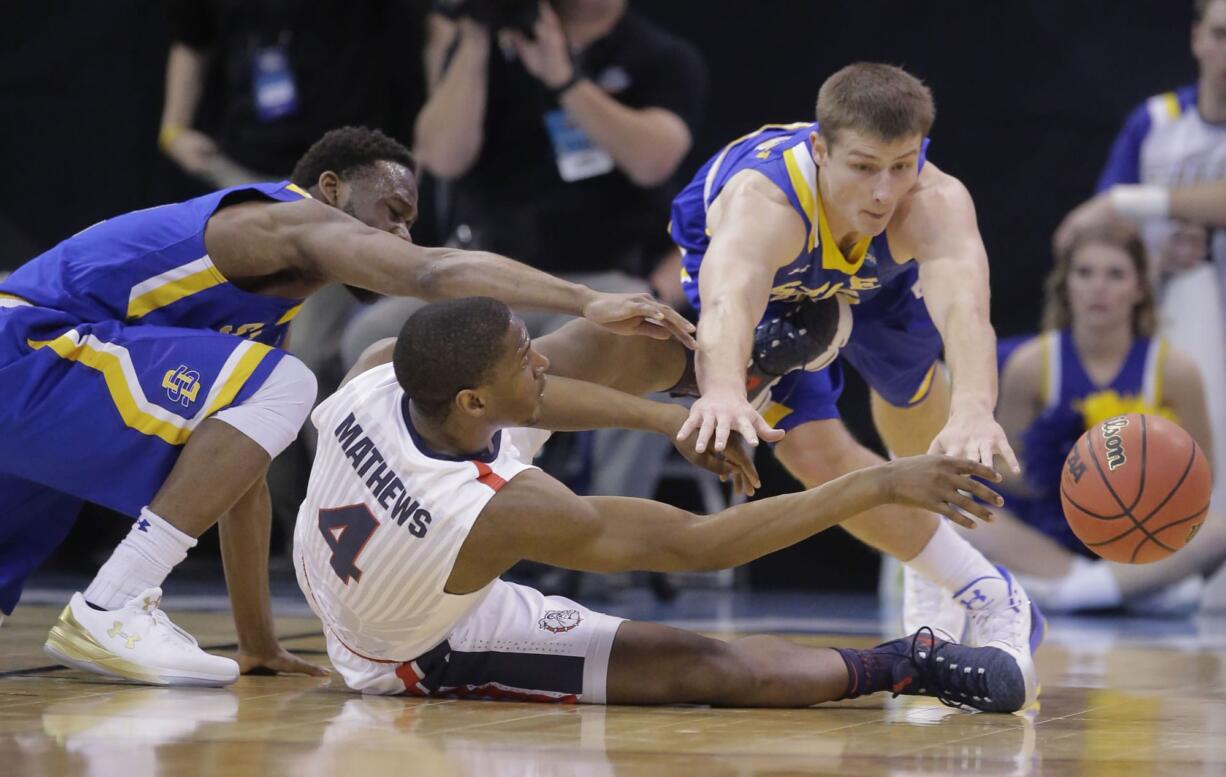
x: 781, y: 152
x: 151, y: 267
x: 1071, y: 403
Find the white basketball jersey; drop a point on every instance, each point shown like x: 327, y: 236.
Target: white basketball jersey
x: 1180, y: 149
x: 384, y: 519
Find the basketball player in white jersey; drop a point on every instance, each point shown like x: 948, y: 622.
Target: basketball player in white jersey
x: 422, y: 495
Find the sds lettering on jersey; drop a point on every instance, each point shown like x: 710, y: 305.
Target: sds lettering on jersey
x: 382, y: 482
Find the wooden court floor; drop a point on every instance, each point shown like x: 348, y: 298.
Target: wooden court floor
x: 1132, y: 708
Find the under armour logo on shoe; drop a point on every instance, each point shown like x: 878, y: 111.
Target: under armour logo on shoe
x: 975, y: 597
x: 117, y: 631
x: 143, y: 525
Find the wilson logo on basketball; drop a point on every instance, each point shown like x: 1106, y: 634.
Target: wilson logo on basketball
x: 559, y: 621
x: 1113, y: 443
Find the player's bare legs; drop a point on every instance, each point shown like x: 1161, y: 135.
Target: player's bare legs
x: 655, y: 664
x: 218, y: 465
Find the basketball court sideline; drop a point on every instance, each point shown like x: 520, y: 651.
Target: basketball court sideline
x: 1118, y: 697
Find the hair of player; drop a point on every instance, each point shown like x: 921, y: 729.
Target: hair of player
x: 447, y: 347
x: 1058, y: 314
x: 880, y: 100
x: 1199, y: 7
x: 349, y: 151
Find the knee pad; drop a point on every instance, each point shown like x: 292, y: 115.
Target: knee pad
x: 275, y: 413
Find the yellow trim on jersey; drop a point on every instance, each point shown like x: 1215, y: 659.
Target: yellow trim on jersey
x: 1159, y: 367
x: 127, y: 395
x: 13, y: 301
x: 808, y: 202
x: 241, y: 372
x: 296, y: 189
x: 1170, y: 101
x: 832, y: 257
x: 924, y: 387
x: 819, y: 231
x: 289, y: 314
x: 173, y: 291
x: 775, y: 413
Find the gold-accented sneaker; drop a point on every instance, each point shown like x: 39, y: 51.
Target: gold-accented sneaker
x: 136, y: 642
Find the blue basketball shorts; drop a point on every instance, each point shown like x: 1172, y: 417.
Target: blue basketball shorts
x: 99, y: 412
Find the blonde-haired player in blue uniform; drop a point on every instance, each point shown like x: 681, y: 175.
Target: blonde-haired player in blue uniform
x: 777, y: 227
x: 140, y: 370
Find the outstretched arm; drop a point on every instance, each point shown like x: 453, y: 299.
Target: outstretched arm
x: 326, y: 245
x: 939, y: 229
x: 576, y: 405
x: 754, y: 232
x: 535, y: 517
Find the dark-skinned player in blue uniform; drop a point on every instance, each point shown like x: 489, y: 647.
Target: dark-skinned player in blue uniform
x: 140, y: 370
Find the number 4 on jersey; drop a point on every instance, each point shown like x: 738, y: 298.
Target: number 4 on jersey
x: 347, y: 530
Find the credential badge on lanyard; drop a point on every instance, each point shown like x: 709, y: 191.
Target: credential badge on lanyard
x: 273, y: 81
x: 575, y: 153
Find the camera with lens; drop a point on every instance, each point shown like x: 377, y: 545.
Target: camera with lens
x: 518, y: 15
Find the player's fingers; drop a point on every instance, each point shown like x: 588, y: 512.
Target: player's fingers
x: 968, y: 505
x: 766, y: 431
x: 723, y: 429
x: 746, y: 428
x: 742, y: 465
x: 1006, y: 451
x: 978, y: 470
x: 952, y: 513
x: 692, y: 422
x: 648, y: 328
x: 980, y: 491
x: 704, y: 432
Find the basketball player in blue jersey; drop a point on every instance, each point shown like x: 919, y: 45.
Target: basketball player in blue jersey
x: 845, y: 217
x: 140, y: 370
x: 1096, y: 358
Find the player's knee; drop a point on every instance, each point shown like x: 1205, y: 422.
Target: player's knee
x: 273, y: 415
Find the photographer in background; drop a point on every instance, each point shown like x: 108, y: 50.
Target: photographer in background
x: 560, y: 126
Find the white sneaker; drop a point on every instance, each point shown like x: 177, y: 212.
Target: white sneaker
x: 136, y: 642
x: 1000, y: 614
x: 924, y: 603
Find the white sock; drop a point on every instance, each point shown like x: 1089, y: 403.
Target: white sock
x: 950, y: 561
x: 1088, y: 585
x: 143, y: 560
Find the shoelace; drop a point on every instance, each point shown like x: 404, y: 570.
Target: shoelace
x: 989, y: 620
x: 943, y: 677
x: 152, y: 608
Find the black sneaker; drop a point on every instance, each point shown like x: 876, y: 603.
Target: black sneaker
x: 985, y: 678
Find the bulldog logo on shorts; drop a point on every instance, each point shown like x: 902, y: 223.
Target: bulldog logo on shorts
x: 559, y: 621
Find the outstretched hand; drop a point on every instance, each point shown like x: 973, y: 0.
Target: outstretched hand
x: 721, y: 415
x: 945, y: 485
x: 975, y: 436
x: 735, y: 462
x: 277, y: 661
x: 639, y: 314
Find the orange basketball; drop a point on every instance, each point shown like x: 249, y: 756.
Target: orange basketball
x: 1135, y: 488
